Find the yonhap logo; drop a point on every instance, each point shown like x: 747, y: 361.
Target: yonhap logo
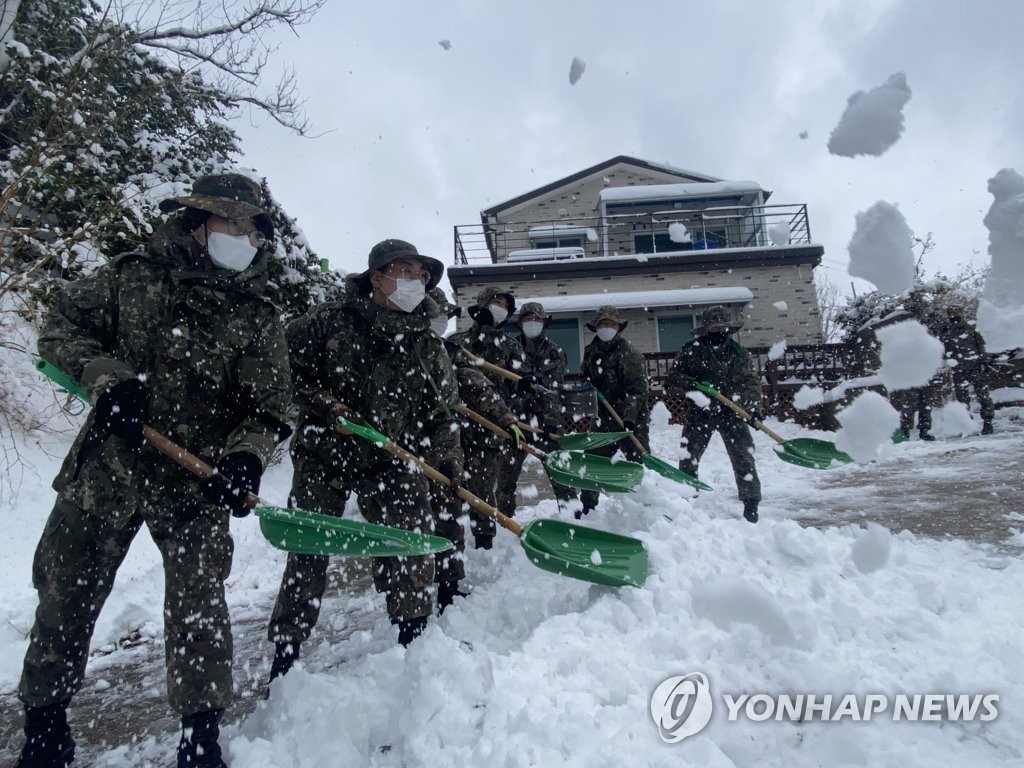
x: 681, y: 706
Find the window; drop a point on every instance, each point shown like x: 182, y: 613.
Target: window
x: 656, y: 242
x: 675, y: 330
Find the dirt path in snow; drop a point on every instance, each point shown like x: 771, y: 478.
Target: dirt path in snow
x: 932, y: 496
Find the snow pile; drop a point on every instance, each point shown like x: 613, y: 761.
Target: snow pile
x: 781, y: 306
x: 872, y: 121
x: 910, y: 355
x: 678, y: 233
x: 881, y: 249
x: 1001, y: 309
x: 871, y: 549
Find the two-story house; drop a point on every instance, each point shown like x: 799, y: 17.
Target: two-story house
x: 658, y: 242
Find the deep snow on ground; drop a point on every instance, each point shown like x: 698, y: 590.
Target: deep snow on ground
x: 535, y: 669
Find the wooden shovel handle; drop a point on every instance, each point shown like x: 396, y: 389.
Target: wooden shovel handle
x: 746, y: 417
x: 475, y: 502
x: 497, y: 370
x: 618, y: 420
x: 487, y: 424
x: 188, y: 461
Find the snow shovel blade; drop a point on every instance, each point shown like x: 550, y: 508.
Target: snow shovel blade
x: 309, y: 533
x: 593, y: 473
x: 665, y: 469
x: 584, y: 441
x: 899, y: 436
x: 808, y: 452
x: 585, y: 554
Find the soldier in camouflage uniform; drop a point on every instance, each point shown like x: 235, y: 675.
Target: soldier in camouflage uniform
x: 372, y: 357
x: 714, y: 357
x: 917, y: 401
x: 965, y: 351
x: 616, y: 369
x: 545, y: 364
x: 177, y: 335
x: 478, y: 393
x: 484, y: 450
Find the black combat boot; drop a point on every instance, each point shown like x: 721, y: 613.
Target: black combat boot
x: 750, y: 510
x: 483, y: 541
x: 198, y: 747
x: 48, y: 742
x: 285, y: 655
x: 582, y: 512
x: 924, y: 434
x: 986, y: 428
x: 410, y: 629
x: 447, y: 591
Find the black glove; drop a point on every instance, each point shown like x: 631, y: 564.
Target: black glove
x: 526, y: 384
x: 629, y: 424
x: 122, y: 411
x: 237, y: 474
x: 755, y: 415
x: 453, y: 471
x: 550, y: 428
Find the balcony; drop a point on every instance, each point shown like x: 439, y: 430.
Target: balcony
x: 670, y: 230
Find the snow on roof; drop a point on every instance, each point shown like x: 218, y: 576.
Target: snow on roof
x: 673, y: 191
x: 634, y: 299
x: 560, y: 230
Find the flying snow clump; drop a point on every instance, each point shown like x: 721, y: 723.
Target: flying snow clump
x: 872, y: 121
x: 576, y: 70
x: 1001, y: 309
x: 881, y: 249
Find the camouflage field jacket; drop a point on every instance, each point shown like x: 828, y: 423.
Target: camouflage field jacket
x: 209, y: 346
x: 727, y: 367
x: 386, y: 365
x: 616, y: 368
x: 495, y: 347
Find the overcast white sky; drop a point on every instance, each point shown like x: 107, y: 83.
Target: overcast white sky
x: 418, y: 139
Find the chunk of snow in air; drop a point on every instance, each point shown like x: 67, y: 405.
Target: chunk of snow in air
x: 872, y: 121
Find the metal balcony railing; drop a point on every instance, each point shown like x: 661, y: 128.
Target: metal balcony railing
x: 650, y: 232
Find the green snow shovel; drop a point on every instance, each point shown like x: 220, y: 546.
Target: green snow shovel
x: 660, y: 466
x: 575, y: 469
x: 578, y: 441
x: 293, y: 530
x: 803, y: 451
x: 570, y: 550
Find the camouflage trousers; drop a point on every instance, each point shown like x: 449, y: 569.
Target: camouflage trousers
x: 917, y: 401
x: 739, y: 445
x: 966, y: 380
x: 481, y: 467
x: 449, y: 512
x: 510, y: 468
x: 390, y: 496
x: 73, y: 571
x: 603, y: 423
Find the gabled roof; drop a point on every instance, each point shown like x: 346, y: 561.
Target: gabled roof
x: 591, y: 171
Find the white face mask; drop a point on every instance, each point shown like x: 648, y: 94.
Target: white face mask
x: 532, y: 329
x: 233, y: 252
x: 407, y: 294
x: 439, y: 325
x: 606, y: 334
x: 498, y: 313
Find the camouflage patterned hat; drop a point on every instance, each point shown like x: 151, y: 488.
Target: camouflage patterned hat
x: 386, y: 251
x: 608, y: 312
x: 534, y: 308
x: 229, y: 195
x: 717, y: 319
x: 447, y: 308
x: 489, y: 294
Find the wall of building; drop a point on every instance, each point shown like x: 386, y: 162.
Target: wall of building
x: 797, y: 323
